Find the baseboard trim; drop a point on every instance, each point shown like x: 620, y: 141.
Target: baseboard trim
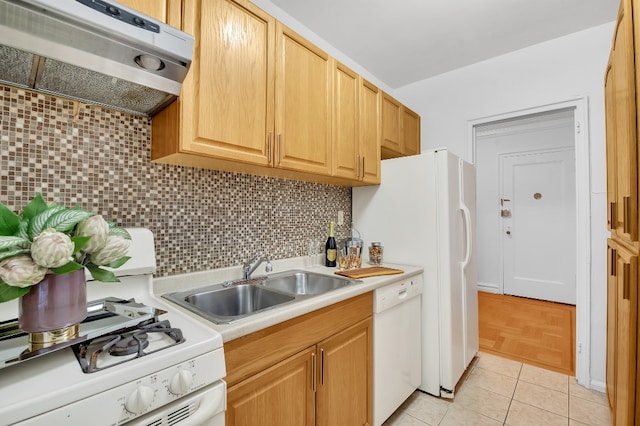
x: 489, y: 288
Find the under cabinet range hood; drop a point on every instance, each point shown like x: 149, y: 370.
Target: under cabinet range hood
x: 93, y: 51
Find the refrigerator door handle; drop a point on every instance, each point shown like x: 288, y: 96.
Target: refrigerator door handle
x: 467, y: 223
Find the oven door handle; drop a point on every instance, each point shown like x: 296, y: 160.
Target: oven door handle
x: 211, y: 404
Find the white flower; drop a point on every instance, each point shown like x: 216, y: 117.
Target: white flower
x: 95, y: 227
x: 21, y: 271
x: 52, y: 249
x: 115, y: 248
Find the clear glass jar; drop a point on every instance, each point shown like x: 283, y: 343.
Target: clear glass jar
x: 375, y: 253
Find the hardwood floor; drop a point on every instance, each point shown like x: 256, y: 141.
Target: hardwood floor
x: 527, y: 330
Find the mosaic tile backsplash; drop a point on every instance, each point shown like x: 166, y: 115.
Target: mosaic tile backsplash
x: 202, y: 219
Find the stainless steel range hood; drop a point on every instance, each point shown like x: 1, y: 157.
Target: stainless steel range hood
x: 93, y: 51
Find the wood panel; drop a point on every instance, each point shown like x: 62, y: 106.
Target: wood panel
x: 282, y: 395
x: 410, y: 132
x: 391, y: 122
x: 167, y: 11
x: 626, y: 166
x: 626, y: 279
x: 257, y: 351
x: 370, y: 121
x: 232, y: 81
x: 346, y: 118
x: 303, y: 105
x: 344, y: 392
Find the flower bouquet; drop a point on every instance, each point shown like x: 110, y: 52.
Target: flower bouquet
x: 50, y: 240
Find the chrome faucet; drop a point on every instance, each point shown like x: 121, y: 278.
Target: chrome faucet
x: 247, y: 269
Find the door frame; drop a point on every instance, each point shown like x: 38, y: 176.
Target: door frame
x: 583, y: 215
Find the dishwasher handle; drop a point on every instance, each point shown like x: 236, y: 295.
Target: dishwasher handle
x: 399, y: 292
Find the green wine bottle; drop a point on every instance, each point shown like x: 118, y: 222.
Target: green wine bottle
x: 330, y: 248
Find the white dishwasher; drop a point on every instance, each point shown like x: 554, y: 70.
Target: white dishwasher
x: 397, y: 345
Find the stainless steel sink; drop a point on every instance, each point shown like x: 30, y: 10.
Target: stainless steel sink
x: 303, y: 282
x: 222, y: 304
x: 233, y: 300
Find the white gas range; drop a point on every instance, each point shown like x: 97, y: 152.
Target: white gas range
x: 175, y: 379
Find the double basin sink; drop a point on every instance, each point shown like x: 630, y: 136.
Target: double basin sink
x: 233, y: 300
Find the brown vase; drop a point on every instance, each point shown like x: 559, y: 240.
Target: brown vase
x: 53, y: 308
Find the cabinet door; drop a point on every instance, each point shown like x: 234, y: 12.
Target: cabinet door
x: 612, y: 259
x: 391, y: 122
x: 227, y: 111
x: 370, y: 132
x: 625, y: 276
x: 282, y: 395
x: 346, y: 150
x: 344, y: 391
x: 303, y: 104
x: 623, y: 75
x: 167, y: 11
x: 410, y: 132
x: 612, y: 171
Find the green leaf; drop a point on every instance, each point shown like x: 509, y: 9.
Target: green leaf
x: 22, y: 229
x: 102, y: 274
x: 7, y: 254
x: 69, y: 267
x: 8, y: 242
x: 9, y: 221
x: 9, y: 292
x: 116, y: 230
x: 65, y: 220
x: 36, y: 226
x: 79, y: 243
x: 118, y: 263
x: 35, y: 207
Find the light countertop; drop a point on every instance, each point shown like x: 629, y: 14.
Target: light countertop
x: 276, y: 314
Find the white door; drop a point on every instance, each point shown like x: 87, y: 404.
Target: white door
x: 538, y: 224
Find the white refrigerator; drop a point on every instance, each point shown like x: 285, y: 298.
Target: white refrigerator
x: 423, y: 213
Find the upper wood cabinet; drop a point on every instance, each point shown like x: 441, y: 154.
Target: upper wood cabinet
x: 346, y: 117
x: 400, y: 129
x: 410, y: 132
x: 391, y: 127
x: 261, y: 99
x: 168, y: 11
x: 622, y: 149
x: 370, y: 98
x: 303, y: 104
x: 356, y: 127
x: 226, y: 107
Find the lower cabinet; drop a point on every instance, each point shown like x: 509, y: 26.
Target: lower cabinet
x: 326, y: 383
x: 344, y: 390
x: 622, y: 330
x: 280, y: 395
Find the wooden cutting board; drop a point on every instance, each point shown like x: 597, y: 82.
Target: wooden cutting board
x: 373, y: 271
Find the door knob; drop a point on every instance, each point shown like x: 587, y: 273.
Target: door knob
x: 508, y: 232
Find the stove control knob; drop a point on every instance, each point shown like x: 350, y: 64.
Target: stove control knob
x: 139, y: 400
x: 181, y: 382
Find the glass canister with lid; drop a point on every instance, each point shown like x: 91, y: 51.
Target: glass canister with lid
x: 375, y: 253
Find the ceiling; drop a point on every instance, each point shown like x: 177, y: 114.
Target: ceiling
x: 403, y: 41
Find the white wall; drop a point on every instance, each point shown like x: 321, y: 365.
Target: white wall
x: 543, y: 74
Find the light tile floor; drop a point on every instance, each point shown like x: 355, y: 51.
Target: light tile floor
x: 498, y: 391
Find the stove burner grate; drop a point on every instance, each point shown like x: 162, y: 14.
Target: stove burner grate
x: 127, y: 342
